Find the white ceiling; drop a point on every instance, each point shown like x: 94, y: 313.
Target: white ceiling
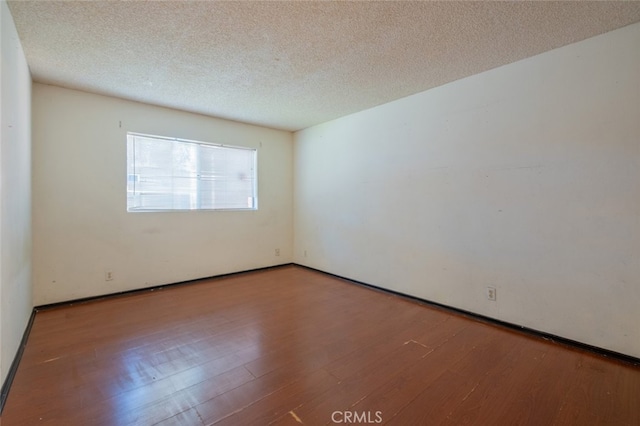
x: 290, y: 65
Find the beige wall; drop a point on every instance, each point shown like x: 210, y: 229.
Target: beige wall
x: 81, y: 225
x: 525, y: 178
x: 15, y: 192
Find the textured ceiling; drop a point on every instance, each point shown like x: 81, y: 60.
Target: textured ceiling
x: 290, y: 65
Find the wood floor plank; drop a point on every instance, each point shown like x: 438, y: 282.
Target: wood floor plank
x: 595, y: 392
x: 401, y: 389
x: 360, y: 384
x: 284, y: 400
x: 498, y: 388
x: 291, y: 346
x: 277, y: 382
x: 189, y: 417
x: 396, y: 336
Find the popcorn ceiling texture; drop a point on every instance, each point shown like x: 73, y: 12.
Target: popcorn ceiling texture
x: 290, y: 65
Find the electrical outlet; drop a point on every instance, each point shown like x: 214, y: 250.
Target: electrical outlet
x: 108, y: 276
x: 278, y: 252
x: 492, y: 294
x: 305, y: 253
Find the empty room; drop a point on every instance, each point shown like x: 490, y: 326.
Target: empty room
x: 319, y: 213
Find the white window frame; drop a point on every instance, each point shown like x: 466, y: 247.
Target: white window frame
x: 133, y: 177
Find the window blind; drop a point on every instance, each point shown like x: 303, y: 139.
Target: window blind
x: 176, y: 174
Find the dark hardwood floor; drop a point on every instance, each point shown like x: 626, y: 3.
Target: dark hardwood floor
x: 290, y: 346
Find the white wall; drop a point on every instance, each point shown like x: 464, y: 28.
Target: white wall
x: 81, y: 225
x: 15, y: 192
x: 525, y: 178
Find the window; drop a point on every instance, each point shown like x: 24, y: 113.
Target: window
x: 175, y: 174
